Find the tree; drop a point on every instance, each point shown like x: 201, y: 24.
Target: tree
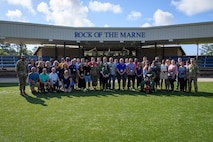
x: 207, y: 49
x: 10, y: 49
x: 2, y: 52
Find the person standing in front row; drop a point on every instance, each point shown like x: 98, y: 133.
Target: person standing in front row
x: 182, y: 76
x: 131, y: 70
x: 193, y: 72
x: 94, y: 72
x: 177, y: 78
x: 139, y: 74
x: 163, y: 75
x: 22, y: 70
x: 113, y: 68
x: 172, y: 71
x: 87, y: 69
x: 81, y: 78
x: 121, y: 73
x: 105, y: 73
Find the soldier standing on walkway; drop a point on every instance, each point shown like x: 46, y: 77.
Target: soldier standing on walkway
x: 193, y: 72
x: 21, y: 70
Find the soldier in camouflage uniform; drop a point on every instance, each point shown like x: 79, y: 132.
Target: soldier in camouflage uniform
x: 22, y: 70
x: 193, y: 72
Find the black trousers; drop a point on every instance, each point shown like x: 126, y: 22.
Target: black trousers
x: 105, y: 82
x: 123, y: 78
x: 171, y: 81
x: 182, y: 84
x: 131, y: 78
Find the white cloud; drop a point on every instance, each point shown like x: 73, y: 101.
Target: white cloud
x: 163, y: 18
x: 65, y: 12
x: 24, y: 3
x: 106, y: 25
x: 43, y: 7
x: 146, y: 25
x: 192, y: 7
x: 14, y: 14
x: 106, y: 6
x: 134, y: 15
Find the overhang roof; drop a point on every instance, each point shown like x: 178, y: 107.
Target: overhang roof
x: 28, y: 33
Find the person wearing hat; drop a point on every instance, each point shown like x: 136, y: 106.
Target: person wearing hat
x: 21, y: 69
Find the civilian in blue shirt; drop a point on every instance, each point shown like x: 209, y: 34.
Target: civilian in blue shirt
x: 121, y: 73
x: 131, y: 70
x: 182, y: 76
x: 34, y: 80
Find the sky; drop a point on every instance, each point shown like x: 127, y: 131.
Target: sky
x: 109, y: 13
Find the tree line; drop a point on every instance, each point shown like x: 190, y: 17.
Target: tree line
x: 10, y: 49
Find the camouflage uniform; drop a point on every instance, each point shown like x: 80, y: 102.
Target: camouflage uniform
x: 94, y: 75
x: 193, y: 72
x: 22, y: 69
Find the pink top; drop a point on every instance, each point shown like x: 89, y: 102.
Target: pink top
x: 172, y: 70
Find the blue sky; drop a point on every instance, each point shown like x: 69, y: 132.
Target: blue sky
x: 109, y: 13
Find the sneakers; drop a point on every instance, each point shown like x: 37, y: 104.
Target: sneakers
x: 84, y: 90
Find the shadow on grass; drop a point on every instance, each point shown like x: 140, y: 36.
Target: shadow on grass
x: 116, y: 93
x: 178, y: 93
x: 33, y: 100
x: 38, y: 97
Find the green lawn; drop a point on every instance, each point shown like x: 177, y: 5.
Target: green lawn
x: 114, y: 116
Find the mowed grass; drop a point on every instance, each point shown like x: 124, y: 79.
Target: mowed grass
x: 114, y: 116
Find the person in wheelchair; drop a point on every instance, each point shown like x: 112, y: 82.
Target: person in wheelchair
x: 149, y: 78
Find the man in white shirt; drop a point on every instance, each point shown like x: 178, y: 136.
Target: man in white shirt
x: 54, y: 79
x: 113, y: 68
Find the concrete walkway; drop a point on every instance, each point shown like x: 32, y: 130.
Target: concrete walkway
x: 15, y: 80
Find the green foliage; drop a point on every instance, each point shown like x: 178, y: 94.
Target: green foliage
x: 97, y: 116
x: 207, y: 49
x: 2, y: 52
x: 14, y: 49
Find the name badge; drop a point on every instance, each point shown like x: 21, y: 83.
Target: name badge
x: 121, y: 70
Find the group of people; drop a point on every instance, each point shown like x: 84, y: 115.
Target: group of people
x: 88, y: 74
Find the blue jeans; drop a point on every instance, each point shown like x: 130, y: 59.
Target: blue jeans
x: 111, y: 78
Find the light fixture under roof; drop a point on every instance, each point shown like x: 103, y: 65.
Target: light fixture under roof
x: 170, y: 40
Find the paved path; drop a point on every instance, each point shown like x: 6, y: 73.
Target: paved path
x: 15, y: 80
